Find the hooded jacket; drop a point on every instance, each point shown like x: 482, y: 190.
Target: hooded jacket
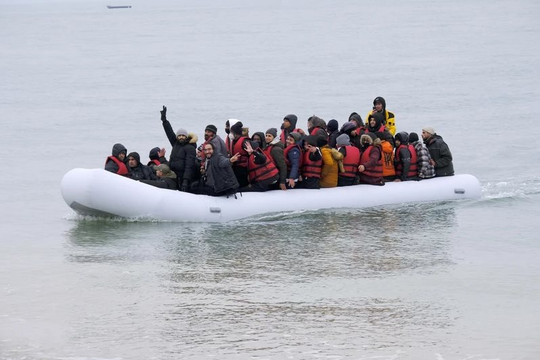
x: 318, y: 127
x: 167, y: 181
x: 275, y: 151
x: 389, y: 118
x: 140, y: 171
x: 111, y: 165
x: 405, y: 158
x: 293, y: 119
x: 440, y: 153
x: 371, y: 159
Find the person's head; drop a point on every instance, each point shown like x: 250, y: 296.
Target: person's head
x: 181, y: 135
x: 270, y: 135
x: 401, y: 138
x: 413, y: 137
x: 321, y: 141
x: 289, y: 121
x: 366, y: 139
x: 310, y: 143
x: 119, y: 151
x: 236, y: 128
x: 427, y: 132
x: 208, y: 150
x: 258, y: 137
x: 356, y: 119
x: 332, y: 126
x: 210, y: 132
x: 343, y: 140
x: 293, y: 138
x: 227, y: 127
x: 379, y: 104
x: 133, y: 159
x: 154, y: 153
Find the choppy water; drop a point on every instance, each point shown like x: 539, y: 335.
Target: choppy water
x: 434, y: 281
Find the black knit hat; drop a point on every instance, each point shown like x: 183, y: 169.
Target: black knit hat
x: 154, y: 154
x: 237, y: 128
x: 211, y: 128
x: 311, y: 140
x: 413, y: 137
x: 272, y: 131
x: 332, y: 125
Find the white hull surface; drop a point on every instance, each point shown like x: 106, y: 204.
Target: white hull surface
x: 101, y: 193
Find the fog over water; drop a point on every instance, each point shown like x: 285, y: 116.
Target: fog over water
x: 448, y: 280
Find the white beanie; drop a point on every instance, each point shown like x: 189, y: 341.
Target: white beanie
x: 429, y: 129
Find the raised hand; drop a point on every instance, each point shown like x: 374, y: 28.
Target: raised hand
x: 163, y: 113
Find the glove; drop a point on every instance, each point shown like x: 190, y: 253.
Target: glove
x: 184, y: 187
x: 163, y: 113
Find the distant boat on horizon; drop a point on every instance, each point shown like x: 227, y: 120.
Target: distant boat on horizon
x: 119, y: 6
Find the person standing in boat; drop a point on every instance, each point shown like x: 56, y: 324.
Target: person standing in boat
x: 183, y: 153
x: 288, y: 126
x: 441, y: 157
x: 138, y: 171
x: 218, y: 177
x: 405, y: 161
x: 425, y: 168
x: 389, y: 119
x: 293, y: 159
x: 370, y: 167
x: 210, y: 135
x: 236, y: 147
x: 311, y: 164
x: 332, y: 128
x: 166, y: 179
x: 351, y: 160
x: 115, y: 163
x: 274, y: 151
x: 262, y: 172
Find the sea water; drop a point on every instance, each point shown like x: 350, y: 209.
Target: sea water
x: 442, y: 281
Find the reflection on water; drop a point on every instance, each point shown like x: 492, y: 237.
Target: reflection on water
x: 268, y: 285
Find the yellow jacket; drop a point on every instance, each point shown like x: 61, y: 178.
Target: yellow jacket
x: 390, y: 121
x: 330, y: 168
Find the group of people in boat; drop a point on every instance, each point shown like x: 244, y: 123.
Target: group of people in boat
x: 325, y: 156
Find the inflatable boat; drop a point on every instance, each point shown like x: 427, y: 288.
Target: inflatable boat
x: 97, y: 192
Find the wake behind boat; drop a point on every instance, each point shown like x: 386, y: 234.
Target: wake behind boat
x: 101, y: 193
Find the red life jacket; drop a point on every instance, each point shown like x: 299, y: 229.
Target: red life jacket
x: 282, y: 137
x: 235, y: 148
x: 155, y: 162
x: 413, y: 169
x: 261, y: 172
x: 286, y: 153
x: 315, y: 129
x: 351, y: 161
x: 375, y: 171
x: 311, y: 168
x: 122, y: 168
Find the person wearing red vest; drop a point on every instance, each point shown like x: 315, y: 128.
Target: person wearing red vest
x: 157, y: 157
x: 351, y: 160
x: 236, y: 147
x: 370, y: 167
x: 293, y: 159
x: 274, y: 151
x: 288, y: 126
x: 405, y: 158
x: 311, y: 164
x: 262, y: 172
x: 317, y: 127
x: 116, y: 162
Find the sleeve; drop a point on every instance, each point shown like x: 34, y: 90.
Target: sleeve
x: 406, y: 160
x: 279, y: 159
x: 328, y: 160
x: 391, y: 123
x: 189, y: 163
x: 294, y: 159
x: 445, y: 156
x: 258, y: 157
x: 169, y: 132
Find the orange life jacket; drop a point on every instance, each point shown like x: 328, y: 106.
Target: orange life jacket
x: 387, y: 152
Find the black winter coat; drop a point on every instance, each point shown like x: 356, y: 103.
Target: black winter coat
x: 183, y: 156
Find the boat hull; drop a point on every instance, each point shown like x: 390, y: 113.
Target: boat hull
x: 101, y: 193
